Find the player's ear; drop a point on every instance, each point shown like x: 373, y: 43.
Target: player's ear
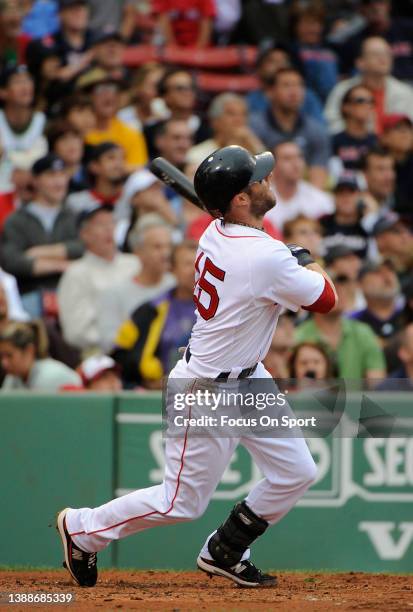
x: 240, y: 201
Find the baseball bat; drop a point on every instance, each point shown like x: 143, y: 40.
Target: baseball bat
x: 170, y: 175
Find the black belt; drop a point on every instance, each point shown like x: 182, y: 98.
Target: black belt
x: 223, y: 376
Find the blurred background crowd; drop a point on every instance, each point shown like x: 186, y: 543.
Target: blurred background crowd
x: 97, y: 257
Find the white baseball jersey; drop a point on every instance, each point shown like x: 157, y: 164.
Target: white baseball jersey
x: 243, y: 280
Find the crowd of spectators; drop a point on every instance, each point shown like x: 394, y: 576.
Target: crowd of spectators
x: 97, y: 256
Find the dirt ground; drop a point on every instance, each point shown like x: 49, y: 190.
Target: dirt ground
x: 195, y: 591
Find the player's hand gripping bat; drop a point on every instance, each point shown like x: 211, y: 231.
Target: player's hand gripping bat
x: 170, y: 175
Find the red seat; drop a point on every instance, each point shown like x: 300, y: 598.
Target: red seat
x: 215, y: 83
x: 210, y: 58
x: 141, y: 54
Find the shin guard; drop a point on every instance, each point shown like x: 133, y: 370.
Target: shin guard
x: 235, y: 535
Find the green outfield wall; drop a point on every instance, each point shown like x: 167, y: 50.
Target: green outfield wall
x: 80, y: 450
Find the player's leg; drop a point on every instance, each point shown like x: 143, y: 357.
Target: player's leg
x: 285, y: 461
x: 194, y: 467
x: 226, y: 551
x: 288, y: 470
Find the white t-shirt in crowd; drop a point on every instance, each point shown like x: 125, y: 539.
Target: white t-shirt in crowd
x: 307, y: 200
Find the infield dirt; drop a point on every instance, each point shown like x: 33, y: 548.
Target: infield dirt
x: 193, y: 591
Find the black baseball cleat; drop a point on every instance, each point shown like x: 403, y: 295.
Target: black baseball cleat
x: 244, y: 573
x: 80, y: 565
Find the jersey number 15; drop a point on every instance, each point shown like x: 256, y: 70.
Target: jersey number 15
x: 208, y: 287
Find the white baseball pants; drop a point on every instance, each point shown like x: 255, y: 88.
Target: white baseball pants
x: 193, y: 469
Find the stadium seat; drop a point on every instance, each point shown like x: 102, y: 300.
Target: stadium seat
x: 215, y: 83
x: 213, y: 58
x: 137, y: 55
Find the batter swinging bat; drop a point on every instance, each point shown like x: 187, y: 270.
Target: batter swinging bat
x: 170, y: 175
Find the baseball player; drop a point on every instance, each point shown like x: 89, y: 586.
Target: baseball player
x: 244, y: 278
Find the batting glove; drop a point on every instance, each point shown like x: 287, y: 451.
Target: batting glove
x: 302, y: 255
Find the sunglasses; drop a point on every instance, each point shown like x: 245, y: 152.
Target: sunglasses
x: 360, y: 100
x: 181, y: 88
x: 342, y: 278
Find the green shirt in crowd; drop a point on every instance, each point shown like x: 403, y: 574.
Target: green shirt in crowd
x: 358, y: 350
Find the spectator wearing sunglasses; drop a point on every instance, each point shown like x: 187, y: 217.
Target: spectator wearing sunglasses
x: 375, y: 65
x: 350, y: 145
x: 344, y: 265
x: 178, y: 92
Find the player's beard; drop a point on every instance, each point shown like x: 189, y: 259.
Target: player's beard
x: 262, y: 202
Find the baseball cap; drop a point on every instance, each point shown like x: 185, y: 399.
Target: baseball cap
x: 93, y: 367
x: 336, y: 252
x: 10, y: 71
x: 91, y: 211
x: 137, y: 182
x: 385, y: 223
x: 107, y: 33
x: 63, y: 4
x: 48, y: 163
x: 392, y: 121
x: 349, y: 180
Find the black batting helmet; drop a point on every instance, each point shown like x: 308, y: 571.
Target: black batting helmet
x: 229, y: 171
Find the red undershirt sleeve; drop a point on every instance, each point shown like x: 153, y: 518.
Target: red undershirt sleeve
x: 325, y: 302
